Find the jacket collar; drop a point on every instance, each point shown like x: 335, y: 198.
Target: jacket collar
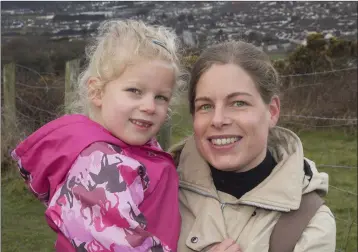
x: 281, y: 190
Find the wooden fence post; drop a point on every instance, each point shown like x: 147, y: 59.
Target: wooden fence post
x: 71, y: 75
x: 164, y: 135
x: 9, y: 94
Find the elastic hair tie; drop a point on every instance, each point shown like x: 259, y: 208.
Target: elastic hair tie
x: 160, y: 44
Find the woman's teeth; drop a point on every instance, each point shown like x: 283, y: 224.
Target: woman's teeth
x: 224, y: 141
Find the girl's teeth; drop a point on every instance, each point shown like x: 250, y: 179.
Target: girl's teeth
x: 141, y: 124
x: 224, y: 141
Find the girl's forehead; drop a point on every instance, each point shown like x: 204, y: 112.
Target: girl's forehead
x: 149, y: 66
x: 149, y: 74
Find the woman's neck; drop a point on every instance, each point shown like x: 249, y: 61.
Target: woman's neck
x: 254, y: 162
x: 239, y: 183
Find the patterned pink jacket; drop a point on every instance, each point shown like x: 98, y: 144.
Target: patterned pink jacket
x: 101, y: 193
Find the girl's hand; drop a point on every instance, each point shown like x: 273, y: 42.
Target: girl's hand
x: 227, y: 245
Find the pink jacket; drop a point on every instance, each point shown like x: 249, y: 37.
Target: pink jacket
x: 101, y: 193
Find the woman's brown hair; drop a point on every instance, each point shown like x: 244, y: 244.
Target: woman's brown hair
x: 247, y: 56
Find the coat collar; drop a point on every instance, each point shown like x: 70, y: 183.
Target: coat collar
x: 281, y: 190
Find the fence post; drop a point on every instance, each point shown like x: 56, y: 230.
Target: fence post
x: 164, y: 135
x: 71, y: 74
x: 9, y: 94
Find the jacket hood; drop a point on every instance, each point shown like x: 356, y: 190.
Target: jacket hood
x: 45, y: 157
x: 282, y: 189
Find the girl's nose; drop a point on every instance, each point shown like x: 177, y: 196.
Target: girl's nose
x: 148, y: 105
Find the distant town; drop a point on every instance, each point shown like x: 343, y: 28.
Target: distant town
x: 273, y: 26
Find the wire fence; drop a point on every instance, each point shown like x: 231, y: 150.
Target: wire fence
x: 40, y: 98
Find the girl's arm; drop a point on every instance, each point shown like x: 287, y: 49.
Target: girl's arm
x: 97, y: 206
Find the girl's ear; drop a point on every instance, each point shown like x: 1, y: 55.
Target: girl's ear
x: 95, y: 91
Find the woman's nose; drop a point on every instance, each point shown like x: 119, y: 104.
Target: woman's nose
x: 219, y: 118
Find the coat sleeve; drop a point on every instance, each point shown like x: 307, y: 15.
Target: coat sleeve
x: 96, y: 208
x: 320, y: 234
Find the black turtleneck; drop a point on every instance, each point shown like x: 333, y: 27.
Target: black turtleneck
x: 239, y: 183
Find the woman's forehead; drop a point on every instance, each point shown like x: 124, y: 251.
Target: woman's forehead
x: 225, y: 80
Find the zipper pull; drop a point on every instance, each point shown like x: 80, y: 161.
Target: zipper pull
x: 222, y: 206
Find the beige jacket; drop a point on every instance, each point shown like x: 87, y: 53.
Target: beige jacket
x: 209, y: 216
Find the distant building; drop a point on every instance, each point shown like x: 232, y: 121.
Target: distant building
x: 188, y: 38
x: 272, y: 48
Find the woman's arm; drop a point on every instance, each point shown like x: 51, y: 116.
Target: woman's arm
x: 320, y: 234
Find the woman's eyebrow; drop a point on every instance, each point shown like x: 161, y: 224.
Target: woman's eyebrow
x: 237, y: 94
x: 203, y: 98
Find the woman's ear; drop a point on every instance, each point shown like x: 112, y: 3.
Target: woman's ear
x: 274, y: 108
x: 95, y: 91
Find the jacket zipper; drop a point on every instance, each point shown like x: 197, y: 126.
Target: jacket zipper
x: 223, y: 204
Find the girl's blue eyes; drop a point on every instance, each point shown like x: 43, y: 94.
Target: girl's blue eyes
x: 161, y: 97
x: 139, y: 92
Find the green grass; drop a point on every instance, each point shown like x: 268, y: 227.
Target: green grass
x: 24, y: 227
x: 337, y: 148
x: 23, y: 223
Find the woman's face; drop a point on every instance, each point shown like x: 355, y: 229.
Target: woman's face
x: 231, y: 121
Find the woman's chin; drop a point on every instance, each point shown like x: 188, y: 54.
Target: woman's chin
x: 225, y: 163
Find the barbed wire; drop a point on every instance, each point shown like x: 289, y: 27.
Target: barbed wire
x: 342, y: 190
x: 320, y: 126
x: 34, y: 71
x: 337, y: 166
x: 320, y: 73
x: 308, y: 86
x: 39, y: 87
x: 346, y: 221
x: 34, y: 107
x: 321, y: 118
x: 303, y: 86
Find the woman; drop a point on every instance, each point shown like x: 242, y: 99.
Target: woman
x: 239, y: 172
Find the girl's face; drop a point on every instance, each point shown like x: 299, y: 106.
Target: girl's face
x: 231, y: 121
x: 134, y: 106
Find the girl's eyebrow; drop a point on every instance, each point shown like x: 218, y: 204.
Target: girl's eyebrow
x: 132, y: 81
x: 167, y: 91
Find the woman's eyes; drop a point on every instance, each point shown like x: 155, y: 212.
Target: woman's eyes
x: 206, y: 107
x: 239, y: 103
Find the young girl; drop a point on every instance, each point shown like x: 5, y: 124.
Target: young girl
x: 107, y: 184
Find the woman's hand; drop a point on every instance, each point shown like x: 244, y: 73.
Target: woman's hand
x: 227, y: 245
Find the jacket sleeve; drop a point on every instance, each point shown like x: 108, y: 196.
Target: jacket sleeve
x: 320, y: 234
x: 96, y: 208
